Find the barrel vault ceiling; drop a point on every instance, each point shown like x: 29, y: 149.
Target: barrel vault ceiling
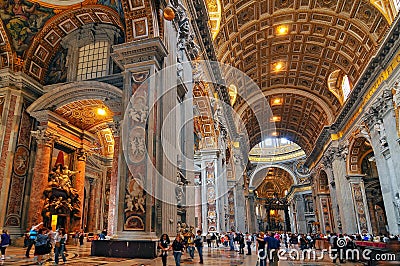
x: 289, y: 48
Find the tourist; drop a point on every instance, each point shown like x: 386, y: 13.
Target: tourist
x: 249, y: 241
x: 102, y: 235
x: 285, y: 240
x: 302, y: 241
x: 32, y: 238
x: 76, y: 238
x: 273, y: 245
x: 42, y: 245
x: 5, y: 242
x: 208, y: 239
x: 190, y: 244
x: 241, y: 243
x: 260, y: 249
x: 198, y: 242
x: 164, y: 245
x: 231, y: 242
x: 178, y: 248
x: 60, y: 241
x: 81, y: 238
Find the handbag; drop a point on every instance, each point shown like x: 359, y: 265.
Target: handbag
x: 58, y: 244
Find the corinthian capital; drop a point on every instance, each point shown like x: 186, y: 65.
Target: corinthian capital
x: 384, y: 103
x: 43, y: 136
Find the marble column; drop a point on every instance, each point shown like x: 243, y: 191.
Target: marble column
x: 337, y: 222
x: 372, y: 214
x: 343, y: 189
x: 91, y: 222
x: 380, y: 120
x: 45, y: 141
x: 360, y: 203
x: 251, y: 213
x: 300, y: 214
x: 211, y: 210
x: 139, y: 169
x: 80, y: 183
x: 113, y: 206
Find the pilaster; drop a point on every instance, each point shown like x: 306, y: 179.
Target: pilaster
x: 360, y: 203
x: 343, y: 189
x: 136, y: 174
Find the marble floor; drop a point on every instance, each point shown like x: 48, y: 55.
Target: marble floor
x: 212, y: 256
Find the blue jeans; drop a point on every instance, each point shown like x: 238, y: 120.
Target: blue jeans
x: 177, y: 257
x: 200, y: 250
x: 191, y: 251
x: 57, y: 252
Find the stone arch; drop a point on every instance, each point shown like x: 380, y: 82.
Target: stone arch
x: 260, y: 173
x: 359, y: 148
x: 70, y: 92
x: 48, y: 41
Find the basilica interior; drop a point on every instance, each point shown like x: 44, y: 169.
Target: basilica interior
x: 143, y: 117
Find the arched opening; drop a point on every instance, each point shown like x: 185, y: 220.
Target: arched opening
x: 272, y: 209
x: 373, y: 193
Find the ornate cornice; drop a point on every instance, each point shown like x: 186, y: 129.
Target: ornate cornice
x: 128, y: 55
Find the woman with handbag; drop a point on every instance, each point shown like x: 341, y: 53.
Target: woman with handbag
x: 5, y: 242
x: 60, y: 240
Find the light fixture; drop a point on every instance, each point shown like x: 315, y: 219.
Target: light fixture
x: 278, y: 66
x: 282, y: 29
x: 169, y: 13
x: 101, y: 111
x: 277, y: 101
x: 275, y: 118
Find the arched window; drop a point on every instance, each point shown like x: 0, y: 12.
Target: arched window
x: 346, y: 89
x: 93, y: 60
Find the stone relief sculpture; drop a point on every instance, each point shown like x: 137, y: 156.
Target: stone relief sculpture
x: 138, y: 112
x: 135, y: 198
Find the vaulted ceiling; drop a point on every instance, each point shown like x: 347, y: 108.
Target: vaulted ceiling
x: 277, y: 180
x: 289, y: 48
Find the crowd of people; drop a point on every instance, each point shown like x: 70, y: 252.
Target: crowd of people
x: 183, y: 242
x: 266, y: 245
x: 45, y: 241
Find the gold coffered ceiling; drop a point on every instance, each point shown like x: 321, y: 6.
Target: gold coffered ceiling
x: 84, y: 114
x: 322, y: 37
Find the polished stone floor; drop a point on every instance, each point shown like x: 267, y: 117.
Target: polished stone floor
x: 212, y: 256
